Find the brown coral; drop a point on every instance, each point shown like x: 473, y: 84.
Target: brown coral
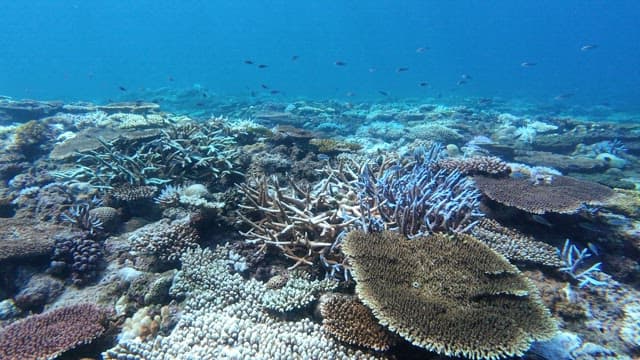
x: 47, y: 335
x: 484, y: 165
x: 562, y: 194
x: 133, y: 192
x: 20, y: 238
x: 449, y: 294
x: 350, y: 321
x: 514, y: 245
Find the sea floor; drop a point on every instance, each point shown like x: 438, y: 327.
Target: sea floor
x: 176, y: 229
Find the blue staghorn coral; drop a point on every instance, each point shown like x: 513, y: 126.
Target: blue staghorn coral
x: 414, y: 199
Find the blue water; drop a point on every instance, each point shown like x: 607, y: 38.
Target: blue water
x: 86, y: 50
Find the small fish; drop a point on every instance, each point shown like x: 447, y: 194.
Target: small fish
x: 295, y: 57
x: 461, y: 82
x: 249, y: 62
x: 262, y: 66
x: 122, y: 88
x: 402, y: 69
x: 199, y: 104
x: 563, y: 96
x: 323, y: 157
x: 541, y: 220
x: 528, y: 64
x: 594, y: 249
x: 340, y: 63
x: 383, y: 93
x: 424, y: 83
x: 170, y: 78
x: 372, y: 69
x: 264, y: 86
x: 420, y: 50
x: 485, y: 101
x: 274, y: 92
x: 350, y: 94
x: 252, y: 93
x: 466, y: 77
x: 204, y: 95
x: 588, y: 47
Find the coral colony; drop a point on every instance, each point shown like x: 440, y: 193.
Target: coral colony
x: 315, y: 230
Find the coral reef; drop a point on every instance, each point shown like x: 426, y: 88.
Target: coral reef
x: 298, y: 292
x: 449, y: 294
x: 77, y: 255
x: 165, y: 239
x: 48, y: 335
x: 562, y: 194
x: 223, y: 318
x: 484, y: 165
x: 414, y: 199
x: 514, y: 245
x: 350, y: 321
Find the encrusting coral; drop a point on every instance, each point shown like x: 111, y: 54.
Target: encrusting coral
x: 447, y: 293
x: 48, y: 335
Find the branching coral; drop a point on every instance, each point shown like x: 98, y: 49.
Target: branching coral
x: 414, y: 199
x: 574, y: 263
x: 302, y: 221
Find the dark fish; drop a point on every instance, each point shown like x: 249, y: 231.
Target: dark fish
x: 264, y: 86
x: 274, y: 92
x: 252, y: 93
x: 528, y: 64
x: 262, y: 66
x: 199, y: 104
x: 461, y: 82
x: 466, y: 77
x: 122, y: 88
x: 170, y: 78
x: 383, y: 93
x: 588, y: 47
x: 295, y: 57
x: 248, y: 62
x: 340, y: 63
x: 204, y: 95
x: 424, y: 83
x: 402, y: 69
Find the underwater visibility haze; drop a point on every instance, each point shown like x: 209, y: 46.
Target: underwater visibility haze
x: 320, y: 180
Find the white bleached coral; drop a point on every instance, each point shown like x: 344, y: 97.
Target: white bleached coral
x: 297, y: 293
x: 223, y: 318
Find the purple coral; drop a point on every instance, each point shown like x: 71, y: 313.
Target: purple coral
x: 46, y: 336
x: 414, y: 199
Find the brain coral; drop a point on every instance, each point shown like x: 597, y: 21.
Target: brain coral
x: 448, y: 294
x: 47, y: 335
x: 563, y: 194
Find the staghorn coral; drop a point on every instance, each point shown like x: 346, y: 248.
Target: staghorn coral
x: 48, y: 335
x: 514, y: 245
x: 447, y: 293
x: 485, y: 165
x: 349, y: 320
x: 414, y: 199
x: 302, y: 221
x: 560, y: 194
x: 223, y: 319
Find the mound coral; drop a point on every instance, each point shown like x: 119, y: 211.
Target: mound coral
x: 47, y: 335
x: 165, y: 239
x: 558, y: 194
x: 447, y: 293
x: 485, y: 165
